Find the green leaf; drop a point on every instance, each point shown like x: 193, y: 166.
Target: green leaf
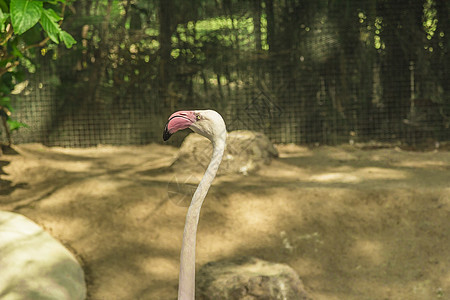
x: 14, y: 125
x: 49, y: 21
x: 5, y: 102
x: 67, y: 39
x: 3, y: 17
x: 4, y: 62
x: 52, y: 14
x: 3, y: 6
x: 6, y: 83
x: 15, y: 51
x: 25, y: 14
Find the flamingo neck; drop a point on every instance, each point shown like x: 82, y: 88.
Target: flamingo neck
x: 186, y: 287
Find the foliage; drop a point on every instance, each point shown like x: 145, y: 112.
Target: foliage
x: 24, y: 25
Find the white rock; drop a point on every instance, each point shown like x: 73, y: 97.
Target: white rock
x: 34, y: 265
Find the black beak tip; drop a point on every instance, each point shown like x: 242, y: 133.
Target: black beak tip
x: 166, y: 134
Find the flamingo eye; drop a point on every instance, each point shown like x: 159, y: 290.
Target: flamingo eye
x: 198, y: 117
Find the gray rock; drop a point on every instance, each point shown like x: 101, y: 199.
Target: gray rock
x: 34, y: 265
x: 250, y: 279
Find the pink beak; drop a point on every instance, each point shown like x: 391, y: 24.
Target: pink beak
x: 178, y: 121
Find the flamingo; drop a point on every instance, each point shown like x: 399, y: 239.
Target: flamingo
x: 211, y: 125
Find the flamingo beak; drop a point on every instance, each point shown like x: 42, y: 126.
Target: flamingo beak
x: 178, y: 121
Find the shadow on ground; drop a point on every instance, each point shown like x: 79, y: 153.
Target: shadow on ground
x: 354, y: 224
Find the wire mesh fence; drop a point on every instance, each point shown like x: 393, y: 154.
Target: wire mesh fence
x: 304, y: 72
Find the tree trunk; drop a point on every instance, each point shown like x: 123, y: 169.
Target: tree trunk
x: 257, y: 24
x: 165, y: 46
x: 270, y: 25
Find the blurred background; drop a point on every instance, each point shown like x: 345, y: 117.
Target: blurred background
x: 308, y: 72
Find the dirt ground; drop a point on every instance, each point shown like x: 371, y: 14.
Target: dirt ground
x: 354, y: 224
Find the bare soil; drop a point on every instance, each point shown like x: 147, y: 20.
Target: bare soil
x: 354, y: 224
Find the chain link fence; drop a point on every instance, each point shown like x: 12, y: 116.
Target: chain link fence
x: 304, y: 72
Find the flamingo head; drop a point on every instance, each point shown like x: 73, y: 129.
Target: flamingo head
x: 208, y: 123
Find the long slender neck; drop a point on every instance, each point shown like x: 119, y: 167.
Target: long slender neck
x: 186, y: 287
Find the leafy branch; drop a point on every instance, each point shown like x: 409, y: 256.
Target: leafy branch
x: 22, y: 24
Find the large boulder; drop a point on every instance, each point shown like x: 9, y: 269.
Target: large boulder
x: 250, y: 279
x: 246, y: 151
x: 33, y: 265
